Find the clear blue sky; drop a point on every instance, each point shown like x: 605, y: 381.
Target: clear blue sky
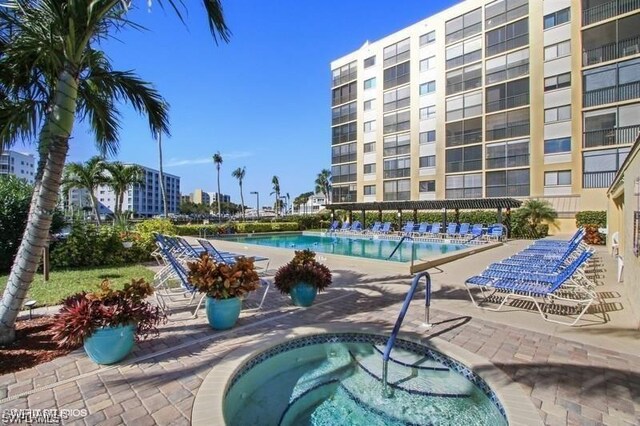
x: 262, y: 100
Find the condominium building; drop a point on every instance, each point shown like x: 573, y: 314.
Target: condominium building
x: 224, y: 198
x: 491, y: 98
x: 18, y: 164
x: 198, y: 196
x: 143, y: 200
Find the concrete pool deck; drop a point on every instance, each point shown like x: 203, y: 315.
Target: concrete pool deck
x: 571, y: 375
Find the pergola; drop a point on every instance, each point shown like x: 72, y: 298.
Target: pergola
x: 440, y: 205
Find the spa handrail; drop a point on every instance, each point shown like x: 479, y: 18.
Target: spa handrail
x: 396, y: 327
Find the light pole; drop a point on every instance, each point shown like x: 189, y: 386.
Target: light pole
x: 257, y: 203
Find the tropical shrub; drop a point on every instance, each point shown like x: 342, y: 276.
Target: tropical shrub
x: 302, y: 268
x: 593, y: 236
x: 83, y: 313
x: 221, y: 280
x: 146, y: 228
x: 591, y: 217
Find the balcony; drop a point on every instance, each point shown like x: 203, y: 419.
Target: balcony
x: 611, y: 51
x: 612, y: 136
x: 597, y: 179
x: 607, y: 95
x: 514, y: 130
x: 606, y: 10
x: 508, y: 102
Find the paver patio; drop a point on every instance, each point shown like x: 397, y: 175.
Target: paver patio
x: 573, y: 375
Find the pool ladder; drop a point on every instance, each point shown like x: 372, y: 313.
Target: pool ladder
x: 386, y: 391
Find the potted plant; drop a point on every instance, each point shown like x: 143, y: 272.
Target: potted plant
x: 107, y: 322
x: 225, y: 285
x: 302, y: 278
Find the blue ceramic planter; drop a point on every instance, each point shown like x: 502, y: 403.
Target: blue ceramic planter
x: 110, y: 344
x: 223, y: 313
x: 303, y: 294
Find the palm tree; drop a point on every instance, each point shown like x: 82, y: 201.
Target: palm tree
x: 287, y: 209
x: 323, y: 184
x: 239, y: 174
x: 89, y: 176
x: 534, y: 212
x: 120, y: 178
x: 217, y: 160
x: 163, y: 190
x: 51, y: 72
x: 276, y: 190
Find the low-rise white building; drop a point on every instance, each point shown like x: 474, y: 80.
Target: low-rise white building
x: 314, y: 205
x: 21, y: 165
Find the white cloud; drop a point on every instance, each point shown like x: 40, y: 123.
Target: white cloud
x: 233, y: 155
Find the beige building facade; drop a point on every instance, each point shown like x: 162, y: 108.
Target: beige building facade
x: 516, y: 98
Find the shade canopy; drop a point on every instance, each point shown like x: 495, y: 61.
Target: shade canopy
x: 461, y: 204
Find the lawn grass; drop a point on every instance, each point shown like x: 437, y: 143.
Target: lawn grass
x: 64, y: 283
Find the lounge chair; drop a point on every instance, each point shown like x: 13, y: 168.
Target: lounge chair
x: 476, y: 231
x: 375, y: 228
x: 422, y: 229
x: 451, y: 229
x: 386, y: 228
x: 334, y: 226
x: 537, y: 287
x: 345, y: 227
x: 356, y: 226
x: 435, y: 230
x: 463, y: 232
x: 496, y: 232
x: 229, y: 257
x: 407, y: 229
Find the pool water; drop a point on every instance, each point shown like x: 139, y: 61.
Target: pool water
x: 369, y: 247
x: 335, y: 379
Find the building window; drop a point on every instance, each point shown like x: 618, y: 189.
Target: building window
x: 369, y: 126
x: 368, y: 105
x: 397, y: 190
x: 345, y: 73
x: 464, y: 79
x: 501, y: 11
x: 463, y: 106
x: 504, y: 125
x: 600, y: 167
x: 557, y: 50
x: 397, y: 75
x: 344, y: 133
x: 561, y: 113
x: 370, y: 147
x: 464, y: 132
x: 507, y: 154
x: 369, y: 168
x: 428, y: 161
x: 463, y: 26
x: 370, y: 83
x: 557, y: 146
x: 509, y: 37
x: 464, y: 159
x: 427, y: 137
x: 427, y: 186
x: 344, y: 173
x: 396, y: 122
x: 369, y: 190
x: 615, y: 39
x: 344, y: 193
x: 397, y: 167
x: 397, y: 144
x: 464, y: 53
x: 344, y: 94
x: 427, y: 88
x: 557, y: 81
x: 343, y: 153
x: 396, y: 53
x: 428, y: 112
x: 557, y: 178
x: 396, y: 99
x: 508, y: 183
x: 557, y: 18
x: 427, y: 38
x: 611, y: 83
x: 370, y: 61
x: 611, y: 126
x: 508, y: 95
x: 463, y: 186
x: 343, y: 113
x: 428, y: 64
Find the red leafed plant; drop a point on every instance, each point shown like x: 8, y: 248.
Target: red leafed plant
x: 303, y: 268
x: 84, y: 313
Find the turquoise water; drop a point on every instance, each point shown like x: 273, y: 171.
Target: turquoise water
x: 371, y: 247
x: 338, y: 383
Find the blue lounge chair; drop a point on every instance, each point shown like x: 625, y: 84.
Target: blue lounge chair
x: 356, y: 226
x: 345, y: 227
x: 229, y: 257
x: 375, y: 228
x: 476, y: 230
x: 422, y: 229
x: 334, y: 226
x: 451, y: 229
x: 464, y: 230
x: 408, y: 228
x: 386, y: 228
x: 495, y: 232
x: 435, y: 230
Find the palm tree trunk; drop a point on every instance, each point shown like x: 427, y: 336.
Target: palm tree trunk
x: 55, y: 138
x: 162, y: 188
x: 218, y: 198
x: 94, y: 204
x: 242, y: 201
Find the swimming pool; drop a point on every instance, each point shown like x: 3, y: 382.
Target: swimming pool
x: 368, y: 247
x: 330, y: 379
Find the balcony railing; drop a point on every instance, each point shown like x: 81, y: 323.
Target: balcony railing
x: 597, y: 179
x: 605, y: 137
x: 509, y: 161
x: 508, y: 102
x: 465, y: 138
x: 607, y: 95
x: 607, y: 10
x: 611, y: 51
x: 514, y: 130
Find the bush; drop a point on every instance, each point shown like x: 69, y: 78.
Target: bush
x: 592, y: 236
x: 231, y: 228
x: 591, y: 217
x: 146, y: 229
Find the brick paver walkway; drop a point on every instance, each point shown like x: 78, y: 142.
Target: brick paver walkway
x: 569, y: 382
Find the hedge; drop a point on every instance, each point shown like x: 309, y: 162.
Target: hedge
x: 592, y: 217
x: 236, y: 228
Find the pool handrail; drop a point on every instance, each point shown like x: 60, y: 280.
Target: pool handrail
x: 386, y: 392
